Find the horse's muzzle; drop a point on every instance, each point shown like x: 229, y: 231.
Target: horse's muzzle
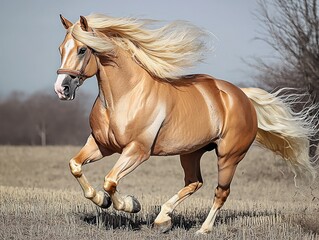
x: 69, y: 85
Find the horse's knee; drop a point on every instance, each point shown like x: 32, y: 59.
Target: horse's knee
x: 76, y: 168
x: 109, y: 186
x: 221, y: 195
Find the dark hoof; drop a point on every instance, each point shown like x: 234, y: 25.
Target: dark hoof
x: 133, y: 204
x: 107, y: 202
x: 163, y: 227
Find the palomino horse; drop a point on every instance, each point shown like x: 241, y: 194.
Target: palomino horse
x: 144, y: 109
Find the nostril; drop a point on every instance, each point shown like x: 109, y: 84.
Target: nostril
x: 66, y: 90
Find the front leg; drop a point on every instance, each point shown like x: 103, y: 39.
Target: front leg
x: 132, y: 156
x: 90, y: 152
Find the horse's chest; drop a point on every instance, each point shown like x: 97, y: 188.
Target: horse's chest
x: 100, y: 125
x: 111, y: 130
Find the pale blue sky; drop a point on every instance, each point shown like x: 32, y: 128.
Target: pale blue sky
x: 31, y: 33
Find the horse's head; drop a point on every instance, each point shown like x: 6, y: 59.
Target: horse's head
x: 78, y: 62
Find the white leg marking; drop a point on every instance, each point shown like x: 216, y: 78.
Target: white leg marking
x: 166, y: 209
x: 207, y: 226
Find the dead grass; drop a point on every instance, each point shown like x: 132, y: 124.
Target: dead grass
x: 39, y: 199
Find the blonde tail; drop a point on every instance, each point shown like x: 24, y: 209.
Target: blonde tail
x: 282, y: 130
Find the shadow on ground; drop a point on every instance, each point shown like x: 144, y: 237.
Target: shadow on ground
x: 111, y: 219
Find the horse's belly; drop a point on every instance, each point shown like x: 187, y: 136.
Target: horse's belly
x: 175, y: 141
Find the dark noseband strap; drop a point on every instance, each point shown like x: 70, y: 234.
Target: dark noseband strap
x: 78, y: 73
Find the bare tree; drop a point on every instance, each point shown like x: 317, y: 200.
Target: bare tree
x: 291, y: 28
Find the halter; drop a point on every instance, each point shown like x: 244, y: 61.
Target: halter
x: 78, y: 73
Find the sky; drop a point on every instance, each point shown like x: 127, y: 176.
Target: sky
x: 31, y: 32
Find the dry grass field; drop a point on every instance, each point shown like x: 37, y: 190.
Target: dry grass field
x: 40, y: 199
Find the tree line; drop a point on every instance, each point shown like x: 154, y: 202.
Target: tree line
x: 43, y: 119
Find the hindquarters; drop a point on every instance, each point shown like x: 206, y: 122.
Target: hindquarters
x: 239, y: 129
x: 239, y: 123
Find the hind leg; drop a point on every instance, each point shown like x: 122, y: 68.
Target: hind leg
x: 226, y: 169
x: 193, y: 181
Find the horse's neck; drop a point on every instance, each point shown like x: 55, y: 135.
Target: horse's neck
x: 120, y: 77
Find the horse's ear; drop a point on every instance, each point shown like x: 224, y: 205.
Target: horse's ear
x: 66, y: 23
x: 84, y: 24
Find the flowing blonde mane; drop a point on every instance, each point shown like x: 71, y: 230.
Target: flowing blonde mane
x: 164, y: 52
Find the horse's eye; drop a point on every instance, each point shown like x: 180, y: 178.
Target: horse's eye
x: 82, y: 51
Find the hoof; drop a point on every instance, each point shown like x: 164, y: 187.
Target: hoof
x: 163, y: 227
x: 132, y: 205
x: 107, y: 202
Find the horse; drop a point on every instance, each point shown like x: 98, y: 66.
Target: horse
x: 145, y: 107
